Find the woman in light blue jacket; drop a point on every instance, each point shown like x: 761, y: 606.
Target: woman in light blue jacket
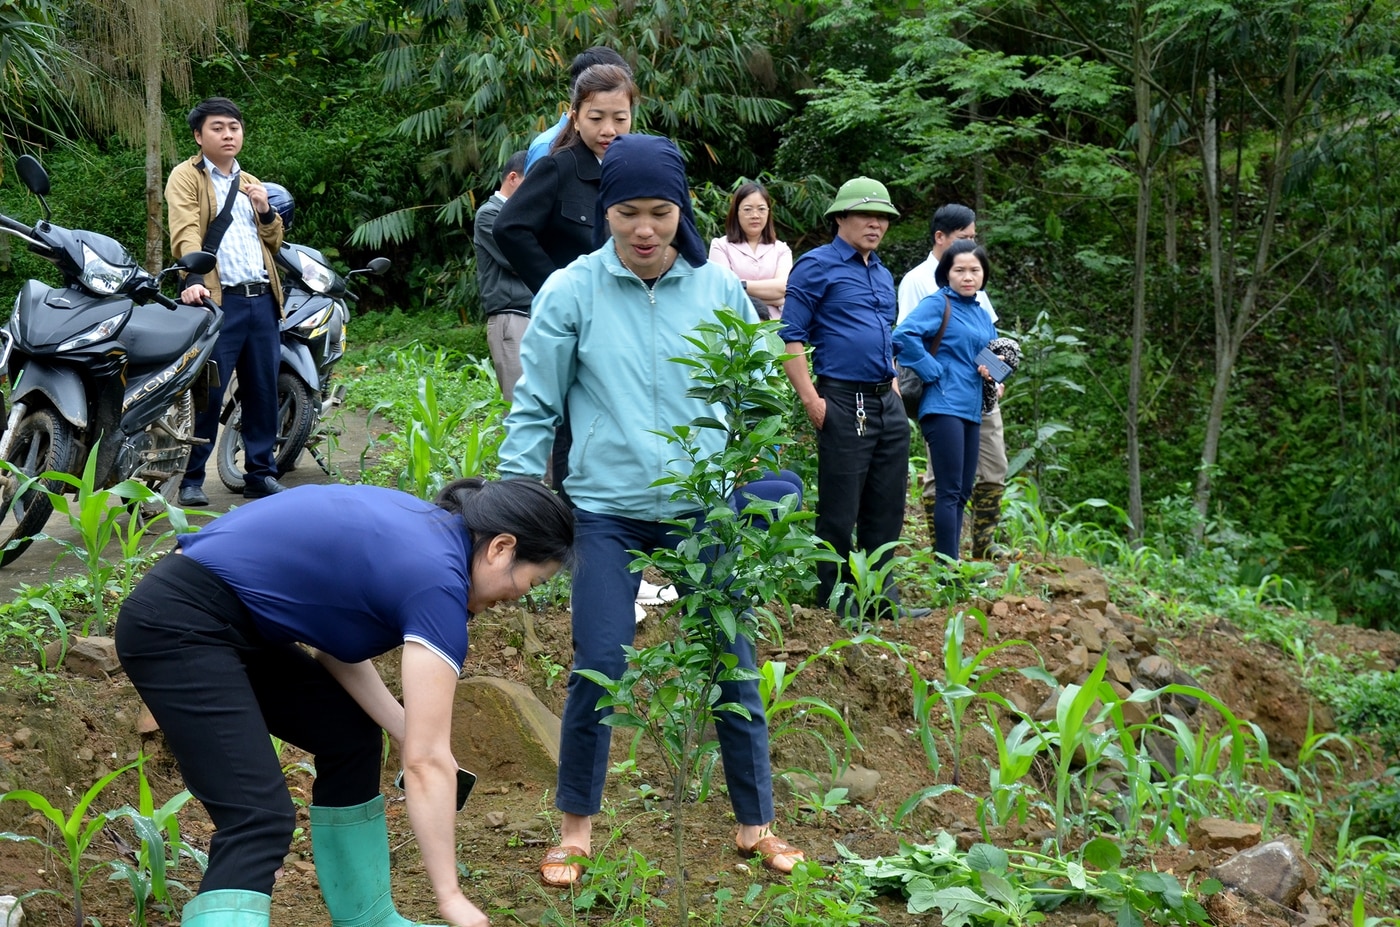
x: 600, y: 342
x: 950, y: 412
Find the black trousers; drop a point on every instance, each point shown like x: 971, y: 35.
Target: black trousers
x: 220, y: 692
x: 862, y: 479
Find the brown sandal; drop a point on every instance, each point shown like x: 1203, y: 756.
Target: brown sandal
x: 560, y: 856
x: 771, y: 847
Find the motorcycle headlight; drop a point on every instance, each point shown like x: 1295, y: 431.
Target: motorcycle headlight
x: 102, y: 277
x: 318, y: 277
x: 309, y: 325
x: 99, y: 332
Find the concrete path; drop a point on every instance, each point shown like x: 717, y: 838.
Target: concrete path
x: 45, y: 561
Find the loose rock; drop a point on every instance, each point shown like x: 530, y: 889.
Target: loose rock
x: 1222, y: 834
x: 1277, y: 870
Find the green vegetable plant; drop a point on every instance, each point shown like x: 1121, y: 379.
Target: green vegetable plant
x: 988, y: 885
x: 76, y: 829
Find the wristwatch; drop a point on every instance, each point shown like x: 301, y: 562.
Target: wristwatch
x: 745, y: 285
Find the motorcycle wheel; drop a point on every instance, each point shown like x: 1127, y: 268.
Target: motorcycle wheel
x: 297, y: 409
x: 180, y: 417
x: 43, y: 442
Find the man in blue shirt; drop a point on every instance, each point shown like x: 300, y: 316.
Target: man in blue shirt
x: 841, y: 301
x: 598, y: 54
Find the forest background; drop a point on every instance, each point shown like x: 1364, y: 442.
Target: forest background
x: 1192, y: 206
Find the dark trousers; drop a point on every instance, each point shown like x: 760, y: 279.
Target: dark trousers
x: 220, y: 692
x: 861, y: 479
x: 604, y: 590
x: 249, y: 343
x: 953, y: 447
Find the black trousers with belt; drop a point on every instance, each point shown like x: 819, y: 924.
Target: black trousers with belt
x: 862, y: 479
x: 220, y: 691
x: 250, y: 344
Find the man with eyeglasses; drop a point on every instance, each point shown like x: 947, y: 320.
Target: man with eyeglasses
x: 841, y: 301
x: 951, y: 223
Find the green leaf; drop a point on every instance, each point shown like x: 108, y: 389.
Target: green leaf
x: 983, y: 857
x: 1101, y: 853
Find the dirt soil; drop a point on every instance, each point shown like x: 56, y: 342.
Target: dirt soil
x: 60, y: 748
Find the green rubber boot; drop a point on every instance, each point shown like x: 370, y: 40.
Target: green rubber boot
x: 227, y: 907
x: 986, y: 515
x: 350, y: 847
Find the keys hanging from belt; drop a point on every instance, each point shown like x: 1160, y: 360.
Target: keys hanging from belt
x: 860, y: 415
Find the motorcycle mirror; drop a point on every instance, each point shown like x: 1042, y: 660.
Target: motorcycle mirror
x: 198, y: 262
x: 33, y: 174
x: 379, y: 266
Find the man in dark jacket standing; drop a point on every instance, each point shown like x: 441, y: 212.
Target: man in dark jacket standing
x: 505, y: 299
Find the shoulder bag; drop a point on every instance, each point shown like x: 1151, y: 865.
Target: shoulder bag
x: 911, y: 387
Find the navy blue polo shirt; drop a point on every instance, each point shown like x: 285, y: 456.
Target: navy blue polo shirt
x: 845, y: 309
x: 354, y: 571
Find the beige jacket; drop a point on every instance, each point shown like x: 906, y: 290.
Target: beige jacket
x: 189, y: 197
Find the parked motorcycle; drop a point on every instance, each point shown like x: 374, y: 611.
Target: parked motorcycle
x: 316, y: 304
x: 105, y: 363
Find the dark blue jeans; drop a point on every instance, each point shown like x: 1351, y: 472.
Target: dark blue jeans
x: 249, y: 343
x: 952, y: 442
x: 604, y: 590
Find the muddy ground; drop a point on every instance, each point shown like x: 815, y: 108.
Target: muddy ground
x: 59, y: 748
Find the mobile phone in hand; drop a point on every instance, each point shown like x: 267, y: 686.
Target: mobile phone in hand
x: 997, y: 368
x: 466, y: 781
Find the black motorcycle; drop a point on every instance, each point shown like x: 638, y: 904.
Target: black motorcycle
x: 316, y: 304
x: 104, y: 361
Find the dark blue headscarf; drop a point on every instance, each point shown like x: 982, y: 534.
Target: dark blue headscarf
x: 645, y: 167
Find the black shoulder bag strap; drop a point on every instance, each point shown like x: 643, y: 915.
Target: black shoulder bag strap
x: 214, y: 235
x: 932, y: 346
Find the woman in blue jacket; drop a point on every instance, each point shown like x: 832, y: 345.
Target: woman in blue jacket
x: 600, y: 343
x: 950, y: 412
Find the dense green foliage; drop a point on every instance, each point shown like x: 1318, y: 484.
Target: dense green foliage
x: 1258, y: 214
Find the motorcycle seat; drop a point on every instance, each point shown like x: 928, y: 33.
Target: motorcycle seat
x: 154, y: 335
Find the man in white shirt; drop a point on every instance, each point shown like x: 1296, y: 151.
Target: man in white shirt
x: 949, y: 224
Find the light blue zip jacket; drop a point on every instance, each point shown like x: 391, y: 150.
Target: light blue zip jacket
x: 952, y: 385
x: 598, y: 343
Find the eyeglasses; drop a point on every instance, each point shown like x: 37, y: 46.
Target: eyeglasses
x: 754, y: 210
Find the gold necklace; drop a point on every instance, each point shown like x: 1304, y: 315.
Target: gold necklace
x: 651, y: 289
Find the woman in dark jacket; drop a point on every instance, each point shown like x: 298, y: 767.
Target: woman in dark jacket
x: 549, y: 220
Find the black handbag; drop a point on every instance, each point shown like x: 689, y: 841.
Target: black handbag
x: 911, y: 387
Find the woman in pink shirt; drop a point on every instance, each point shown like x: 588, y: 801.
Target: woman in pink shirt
x: 751, y: 249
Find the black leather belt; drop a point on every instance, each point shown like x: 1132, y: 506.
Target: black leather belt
x: 248, y: 290
x: 854, y: 387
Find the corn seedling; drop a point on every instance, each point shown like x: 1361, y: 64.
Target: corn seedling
x: 790, y: 715
x: 76, y: 829
x: 148, y: 874
x: 95, y: 516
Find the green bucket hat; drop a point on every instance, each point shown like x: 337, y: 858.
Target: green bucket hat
x: 862, y: 195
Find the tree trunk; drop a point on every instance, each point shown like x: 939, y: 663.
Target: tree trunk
x: 1143, y: 96
x: 1233, y: 320
x: 151, y: 78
